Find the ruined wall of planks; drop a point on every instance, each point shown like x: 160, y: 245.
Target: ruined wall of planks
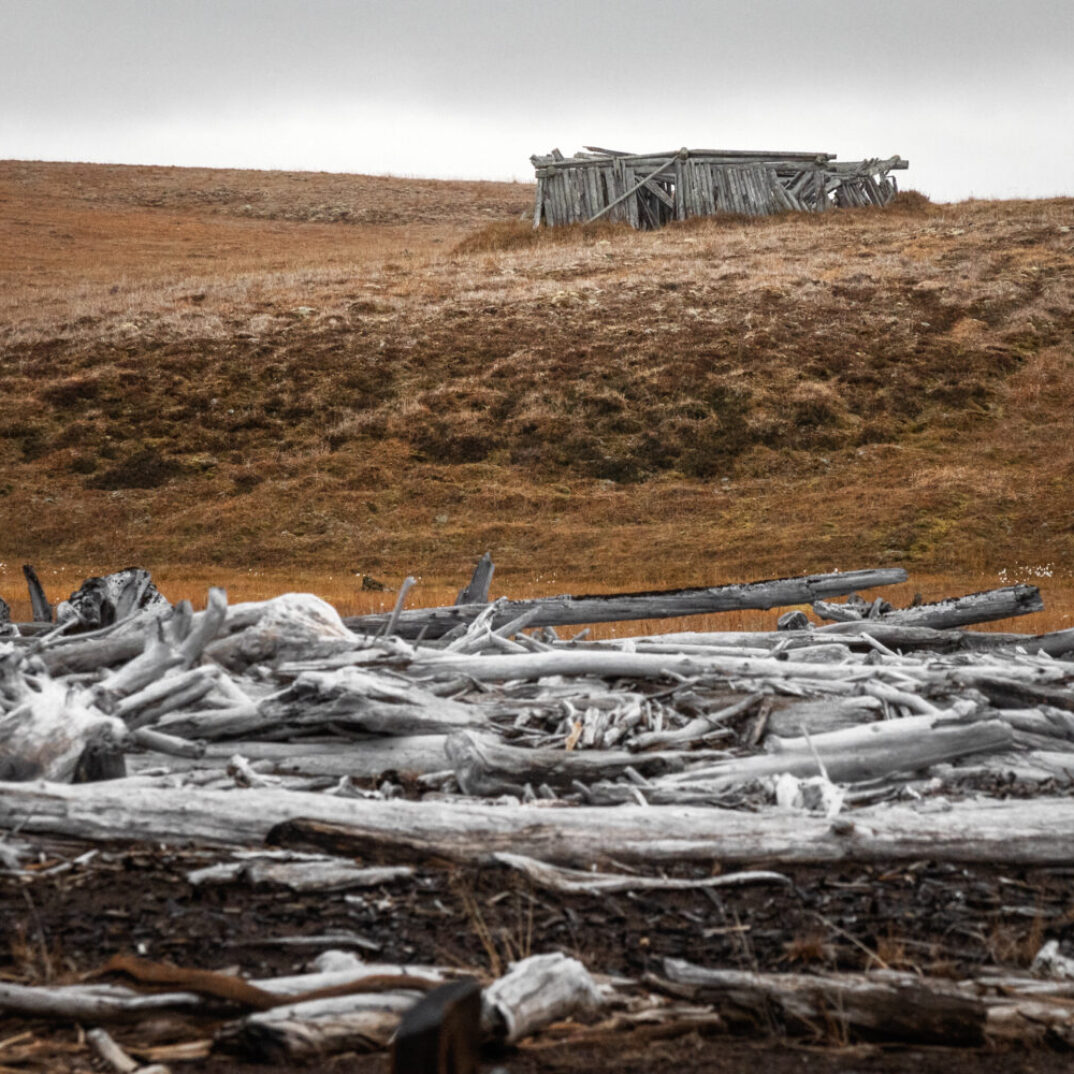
x: 650, y: 190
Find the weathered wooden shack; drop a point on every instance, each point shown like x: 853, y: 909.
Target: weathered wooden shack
x: 651, y: 189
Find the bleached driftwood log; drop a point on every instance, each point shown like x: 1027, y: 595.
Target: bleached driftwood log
x: 290, y: 626
x: 48, y: 731
x: 1033, y: 831
x: 535, y: 992
x: 589, y: 882
x: 992, y: 604
x: 362, y: 757
x: 860, y: 753
x: 304, y: 1031
x: 90, y: 1002
x: 858, y: 635
x: 298, y: 872
x: 348, y: 698
x: 892, y: 1007
x: 567, y: 610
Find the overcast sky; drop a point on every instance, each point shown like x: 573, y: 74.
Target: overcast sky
x: 977, y: 94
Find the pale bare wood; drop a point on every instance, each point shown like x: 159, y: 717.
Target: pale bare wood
x: 1033, y: 831
x: 568, y: 610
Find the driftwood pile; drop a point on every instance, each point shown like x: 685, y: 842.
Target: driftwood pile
x: 649, y: 190
x: 475, y: 733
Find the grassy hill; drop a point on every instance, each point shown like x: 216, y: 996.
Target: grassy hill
x: 235, y: 370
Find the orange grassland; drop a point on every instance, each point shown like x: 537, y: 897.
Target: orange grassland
x: 280, y: 381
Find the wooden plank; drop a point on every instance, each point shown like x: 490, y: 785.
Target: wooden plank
x: 631, y: 202
x: 629, y: 195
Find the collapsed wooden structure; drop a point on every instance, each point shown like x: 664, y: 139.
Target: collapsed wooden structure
x: 651, y: 189
x: 282, y: 726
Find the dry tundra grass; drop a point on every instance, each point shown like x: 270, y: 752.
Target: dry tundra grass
x: 311, y: 377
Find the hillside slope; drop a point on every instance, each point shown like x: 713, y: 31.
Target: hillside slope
x: 249, y: 368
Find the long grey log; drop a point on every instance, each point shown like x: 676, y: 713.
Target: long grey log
x: 616, y: 607
x: 1037, y: 831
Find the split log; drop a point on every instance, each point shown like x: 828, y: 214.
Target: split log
x: 1038, y: 831
x: 892, y: 1007
x: 570, y: 610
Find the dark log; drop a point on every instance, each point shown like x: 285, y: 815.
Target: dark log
x: 41, y: 610
x: 99, y: 602
x: 663, y: 604
x: 477, y: 591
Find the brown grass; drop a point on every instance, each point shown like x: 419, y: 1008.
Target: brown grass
x: 212, y: 373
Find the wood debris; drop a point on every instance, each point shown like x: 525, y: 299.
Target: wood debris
x: 310, y: 754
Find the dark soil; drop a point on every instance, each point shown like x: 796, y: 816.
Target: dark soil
x: 937, y: 919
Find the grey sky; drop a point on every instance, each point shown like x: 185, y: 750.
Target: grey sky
x: 979, y: 94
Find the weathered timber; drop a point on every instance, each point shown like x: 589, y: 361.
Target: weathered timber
x: 589, y: 882
x: 487, y: 767
x: 890, y: 1007
x: 604, y: 608
x: 982, y: 607
x: 347, y: 698
x: 638, y: 665
x: 113, y: 598
x: 49, y: 732
x: 40, y: 608
x: 535, y: 992
x: 649, y: 190
x: 855, y: 754
x: 362, y: 757
x: 858, y: 634
x: 476, y: 591
x: 302, y: 1032
x: 90, y: 1002
x: 1038, y: 831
